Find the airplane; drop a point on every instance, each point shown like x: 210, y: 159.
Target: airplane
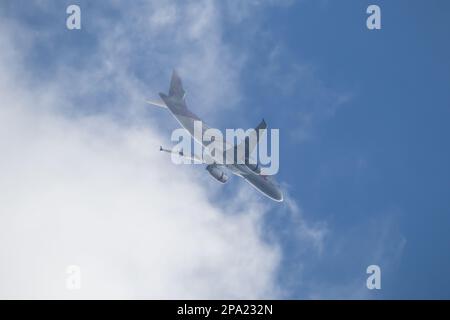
x: 175, y: 103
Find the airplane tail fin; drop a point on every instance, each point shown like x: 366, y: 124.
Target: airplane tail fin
x: 176, y: 92
x: 176, y: 87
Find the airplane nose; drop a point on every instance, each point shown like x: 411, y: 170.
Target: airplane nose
x: 276, y: 194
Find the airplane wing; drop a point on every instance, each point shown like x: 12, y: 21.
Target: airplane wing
x: 250, y: 147
x: 193, y: 158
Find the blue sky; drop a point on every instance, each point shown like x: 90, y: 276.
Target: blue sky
x: 362, y: 116
x: 381, y: 157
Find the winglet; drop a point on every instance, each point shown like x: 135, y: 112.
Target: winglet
x: 262, y: 125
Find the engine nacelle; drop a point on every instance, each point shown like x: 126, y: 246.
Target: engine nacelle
x: 217, y: 173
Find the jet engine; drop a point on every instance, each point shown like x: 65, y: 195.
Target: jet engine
x: 217, y: 173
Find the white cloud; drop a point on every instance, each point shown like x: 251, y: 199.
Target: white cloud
x: 90, y: 192
x: 80, y: 185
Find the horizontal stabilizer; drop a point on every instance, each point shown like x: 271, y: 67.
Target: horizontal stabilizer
x: 160, y: 104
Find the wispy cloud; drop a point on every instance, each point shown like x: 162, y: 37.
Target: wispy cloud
x: 81, y: 182
x: 298, y: 79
